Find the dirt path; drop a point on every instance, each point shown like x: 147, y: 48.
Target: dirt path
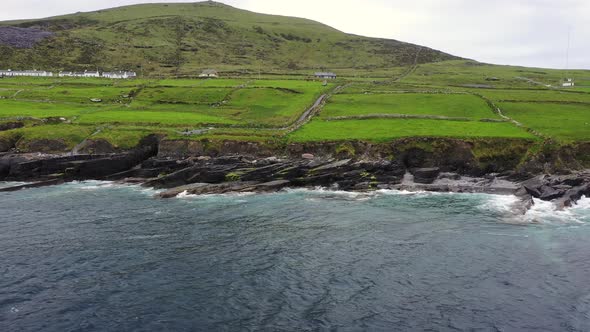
x: 411, y: 69
x: 302, y: 120
x: 500, y: 113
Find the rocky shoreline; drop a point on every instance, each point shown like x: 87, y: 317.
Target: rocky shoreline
x: 235, y: 173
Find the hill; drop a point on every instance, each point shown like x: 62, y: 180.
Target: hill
x: 161, y: 39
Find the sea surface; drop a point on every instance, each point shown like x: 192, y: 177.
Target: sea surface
x: 97, y: 256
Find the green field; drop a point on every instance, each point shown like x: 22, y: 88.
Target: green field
x: 151, y: 118
x: 382, y: 130
x: 17, y: 108
x: 248, y: 108
x: 447, y: 105
x: 561, y: 121
x: 183, y: 95
x: 534, y: 95
x: 76, y: 94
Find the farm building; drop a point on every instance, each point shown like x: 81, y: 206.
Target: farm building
x: 119, y: 74
x: 65, y: 74
x: 569, y: 83
x: 78, y: 74
x: 209, y: 73
x: 326, y: 75
x: 91, y: 74
x: 30, y: 73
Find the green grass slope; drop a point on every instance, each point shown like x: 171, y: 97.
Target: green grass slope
x: 181, y: 39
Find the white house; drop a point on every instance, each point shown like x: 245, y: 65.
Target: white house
x: 569, y: 83
x: 91, y: 74
x: 325, y: 75
x: 120, y: 74
x: 29, y: 73
x: 65, y: 74
x: 209, y: 73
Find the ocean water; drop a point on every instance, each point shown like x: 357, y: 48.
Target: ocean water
x: 96, y: 256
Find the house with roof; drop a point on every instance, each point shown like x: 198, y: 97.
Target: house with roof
x: 65, y: 74
x: 569, y: 82
x: 325, y: 75
x: 119, y: 74
x: 91, y: 74
x: 209, y: 73
x: 28, y: 73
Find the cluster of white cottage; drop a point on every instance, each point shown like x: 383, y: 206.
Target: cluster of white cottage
x: 43, y: 73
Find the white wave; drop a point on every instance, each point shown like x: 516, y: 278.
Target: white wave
x: 419, y: 193
x: 542, y: 212
x: 320, y: 193
x: 499, y: 203
x: 186, y: 195
x: 94, y: 185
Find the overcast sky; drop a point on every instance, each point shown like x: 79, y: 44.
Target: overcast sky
x: 518, y: 32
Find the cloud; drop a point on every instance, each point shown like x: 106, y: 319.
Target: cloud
x: 518, y: 32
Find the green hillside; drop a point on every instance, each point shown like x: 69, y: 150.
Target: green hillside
x: 161, y: 39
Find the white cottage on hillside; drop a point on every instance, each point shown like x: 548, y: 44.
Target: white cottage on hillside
x: 28, y: 73
x: 119, y: 74
x: 569, y: 83
x: 326, y: 75
x: 209, y: 73
x: 91, y: 74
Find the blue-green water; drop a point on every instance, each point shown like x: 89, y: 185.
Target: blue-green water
x: 102, y: 257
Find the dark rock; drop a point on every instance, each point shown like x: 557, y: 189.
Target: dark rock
x: 549, y: 193
x: 47, y: 183
x: 80, y: 167
x: 332, y: 166
x: 272, y: 185
x: 22, y: 37
x: 533, y: 186
x: 425, y: 175
x: 11, y: 125
x: 525, y: 202
x: 571, y: 196
x: 96, y: 146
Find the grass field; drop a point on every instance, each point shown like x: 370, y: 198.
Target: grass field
x: 561, y: 121
x: 448, y: 105
x: 183, y: 95
x: 17, y: 108
x: 253, y: 109
x: 534, y: 95
x: 147, y: 118
x: 382, y: 130
x: 80, y: 95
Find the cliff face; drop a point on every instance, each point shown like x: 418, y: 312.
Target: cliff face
x: 473, y: 156
x: 463, y: 156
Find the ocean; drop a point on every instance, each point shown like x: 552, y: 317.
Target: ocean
x: 99, y: 256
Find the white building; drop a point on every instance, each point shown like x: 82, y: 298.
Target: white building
x: 28, y: 73
x: 72, y: 74
x: 569, y: 83
x: 209, y: 73
x: 119, y: 74
x: 91, y: 74
x: 326, y: 75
